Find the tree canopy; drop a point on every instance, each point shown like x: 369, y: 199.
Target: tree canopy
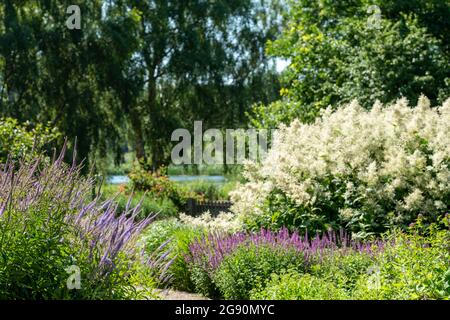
x: 338, y: 52
x: 135, y: 70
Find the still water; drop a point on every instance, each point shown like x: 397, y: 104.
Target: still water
x: 125, y: 179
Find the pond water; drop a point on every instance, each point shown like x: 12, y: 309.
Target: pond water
x: 184, y: 178
x: 117, y: 179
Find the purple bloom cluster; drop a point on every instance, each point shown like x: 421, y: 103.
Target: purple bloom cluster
x: 58, y: 192
x: 209, y: 251
x: 108, y: 234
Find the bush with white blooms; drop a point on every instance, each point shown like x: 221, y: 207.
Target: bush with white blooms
x: 364, y: 170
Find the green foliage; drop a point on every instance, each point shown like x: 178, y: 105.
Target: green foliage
x: 204, y: 190
x: 296, y: 286
x: 344, y: 269
x: 170, y: 239
x: 157, y: 194
x: 431, y: 14
x: 182, y: 238
x: 29, y: 256
x: 203, y: 283
x: 149, y: 205
x: 159, y: 232
x: 250, y: 266
x: 226, y: 188
x: 410, y: 266
x: 366, y: 171
x: 272, y: 115
x: 50, y: 73
x: 147, y: 67
x: 166, y: 195
x: 158, y: 186
x: 280, y: 211
x: 23, y: 141
x: 46, y: 227
x: 415, y: 267
x: 336, y: 55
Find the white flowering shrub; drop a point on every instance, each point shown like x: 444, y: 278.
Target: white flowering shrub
x: 224, y: 222
x: 363, y: 170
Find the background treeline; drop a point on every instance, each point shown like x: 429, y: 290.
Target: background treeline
x: 139, y: 69
x: 344, y: 50
x: 136, y: 70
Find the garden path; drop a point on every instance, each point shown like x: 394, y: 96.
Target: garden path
x: 169, y: 294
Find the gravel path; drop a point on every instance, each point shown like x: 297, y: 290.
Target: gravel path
x: 169, y: 294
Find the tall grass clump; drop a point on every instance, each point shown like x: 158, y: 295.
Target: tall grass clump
x: 365, y: 170
x: 50, y: 227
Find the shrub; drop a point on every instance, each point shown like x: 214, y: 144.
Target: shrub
x: 149, y: 205
x: 158, y: 233
x: 365, y: 170
x: 167, y: 242
x: 23, y: 141
x: 182, y: 240
x: 250, y: 265
x: 297, y: 286
x: 333, y: 63
x: 228, y: 265
x: 205, y: 190
x: 414, y: 267
x: 156, y: 183
x: 48, y: 223
x: 223, y: 222
x: 345, y: 269
x: 158, y: 186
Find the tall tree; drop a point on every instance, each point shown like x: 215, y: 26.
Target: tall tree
x: 143, y: 66
x: 190, y: 55
x: 49, y: 71
x: 340, y: 51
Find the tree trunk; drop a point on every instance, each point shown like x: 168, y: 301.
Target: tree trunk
x: 153, y: 112
x: 139, y: 145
